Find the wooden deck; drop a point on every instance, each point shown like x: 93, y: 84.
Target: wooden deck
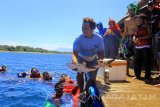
x: 130, y: 93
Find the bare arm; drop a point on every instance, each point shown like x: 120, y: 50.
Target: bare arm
x: 125, y: 30
x: 75, y: 56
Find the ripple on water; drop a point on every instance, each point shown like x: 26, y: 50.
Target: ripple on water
x: 24, y: 92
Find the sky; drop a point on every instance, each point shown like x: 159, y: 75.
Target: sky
x: 52, y: 24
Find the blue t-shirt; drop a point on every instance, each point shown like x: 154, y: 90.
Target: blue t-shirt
x: 89, y: 46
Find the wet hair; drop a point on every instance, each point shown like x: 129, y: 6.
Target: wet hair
x: 35, y: 74
x: 45, y: 73
x: 91, y: 22
x: 58, y: 89
x: 63, y: 75
x: 4, y: 68
x: 32, y: 70
x: 47, y: 76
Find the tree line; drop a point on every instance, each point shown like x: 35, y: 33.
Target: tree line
x: 28, y: 49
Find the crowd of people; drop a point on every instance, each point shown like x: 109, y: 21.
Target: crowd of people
x: 141, y: 39
x: 35, y: 73
x: 138, y: 39
x: 141, y: 35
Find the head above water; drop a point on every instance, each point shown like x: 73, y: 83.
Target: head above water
x: 4, y: 68
x: 47, y: 76
x: 58, y: 89
x: 34, y: 70
x: 35, y: 73
x: 65, y: 76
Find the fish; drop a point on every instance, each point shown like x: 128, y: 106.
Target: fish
x: 81, y: 67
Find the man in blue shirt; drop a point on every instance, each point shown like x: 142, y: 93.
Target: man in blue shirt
x: 89, y: 48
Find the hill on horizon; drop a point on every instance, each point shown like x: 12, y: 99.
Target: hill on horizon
x: 28, y: 49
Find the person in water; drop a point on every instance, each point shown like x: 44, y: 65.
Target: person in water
x: 66, y: 83
x: 67, y: 79
x: 64, y: 87
x: 3, y: 68
x: 22, y: 74
x: 47, y: 76
x: 35, y: 73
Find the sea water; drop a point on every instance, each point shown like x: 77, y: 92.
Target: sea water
x: 25, y: 92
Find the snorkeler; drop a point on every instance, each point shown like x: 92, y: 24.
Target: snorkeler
x: 67, y: 79
x: 34, y: 73
x: 62, y: 90
x: 47, y: 76
x: 3, y: 68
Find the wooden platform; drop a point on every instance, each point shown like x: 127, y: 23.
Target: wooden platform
x: 130, y: 93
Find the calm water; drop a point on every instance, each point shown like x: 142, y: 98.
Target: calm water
x: 24, y: 92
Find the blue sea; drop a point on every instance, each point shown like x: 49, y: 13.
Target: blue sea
x: 25, y: 92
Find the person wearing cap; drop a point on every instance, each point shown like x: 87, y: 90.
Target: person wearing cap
x: 88, y: 48
x: 130, y: 26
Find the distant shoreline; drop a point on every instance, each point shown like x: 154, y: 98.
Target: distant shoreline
x: 28, y: 49
x: 35, y: 52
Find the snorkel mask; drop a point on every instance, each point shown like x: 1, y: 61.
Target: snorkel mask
x: 22, y: 74
x: 4, y: 68
x: 34, y: 70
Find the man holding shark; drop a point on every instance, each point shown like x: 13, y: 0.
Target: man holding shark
x: 88, y: 48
